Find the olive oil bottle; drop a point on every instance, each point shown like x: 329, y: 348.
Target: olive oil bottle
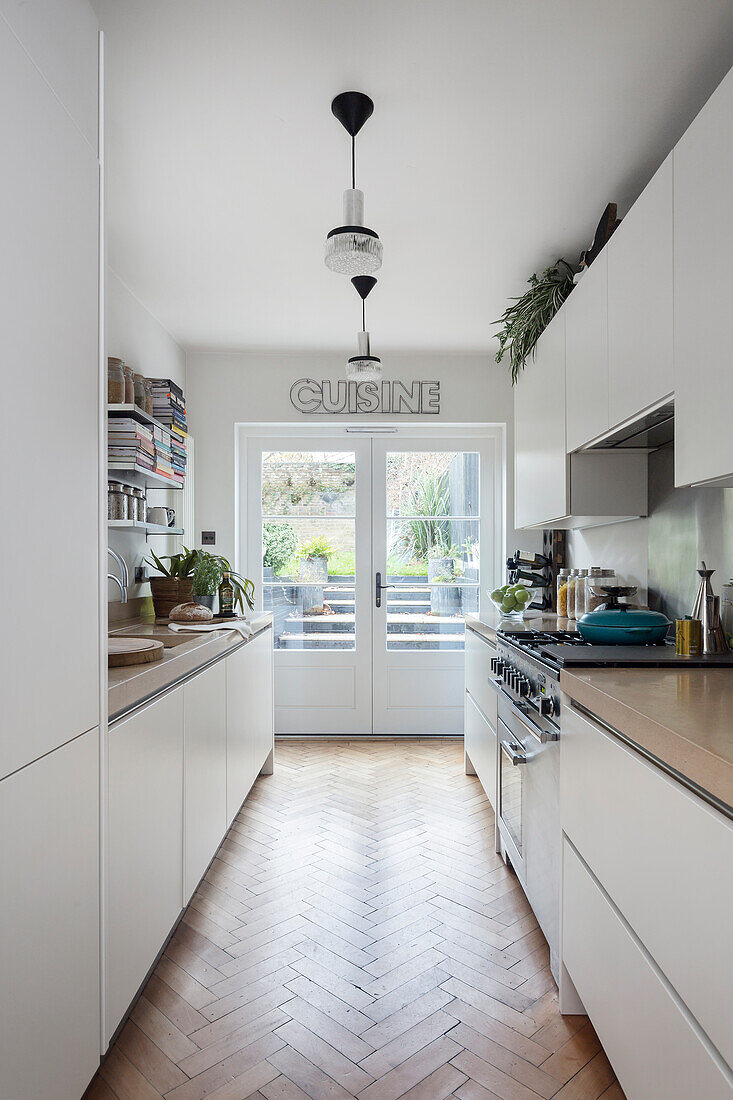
x: 226, y: 597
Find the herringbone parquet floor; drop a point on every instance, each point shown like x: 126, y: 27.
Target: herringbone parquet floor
x: 357, y: 936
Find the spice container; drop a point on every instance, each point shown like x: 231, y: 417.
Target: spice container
x: 116, y: 501
x: 115, y: 382
x: 140, y: 505
x: 129, y: 384
x: 575, y: 588
x: 140, y: 392
x: 148, y: 387
x: 562, y: 593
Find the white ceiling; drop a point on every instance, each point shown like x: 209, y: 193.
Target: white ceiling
x: 501, y: 130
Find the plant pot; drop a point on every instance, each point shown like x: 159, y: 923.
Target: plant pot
x: 204, y: 599
x: 169, y: 591
x: 313, y: 572
x: 444, y: 597
x: 268, y: 574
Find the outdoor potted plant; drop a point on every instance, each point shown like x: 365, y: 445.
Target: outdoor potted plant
x: 207, y: 576
x: 442, y: 571
x: 175, y: 583
x: 313, y: 571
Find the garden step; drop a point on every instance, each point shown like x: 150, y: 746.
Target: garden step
x: 425, y: 641
x: 316, y: 641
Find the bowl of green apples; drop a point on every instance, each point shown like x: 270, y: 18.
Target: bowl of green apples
x: 511, y: 600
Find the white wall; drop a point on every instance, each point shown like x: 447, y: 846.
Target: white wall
x: 623, y: 547
x: 227, y: 388
x: 133, y: 334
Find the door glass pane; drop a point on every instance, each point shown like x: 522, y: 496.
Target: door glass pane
x: 432, y: 547
x: 309, y: 548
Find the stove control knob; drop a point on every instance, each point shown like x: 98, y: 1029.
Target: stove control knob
x: 548, y: 706
x: 524, y: 686
x: 494, y: 662
x: 506, y: 673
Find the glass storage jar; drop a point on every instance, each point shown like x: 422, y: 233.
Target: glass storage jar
x: 140, y: 392
x: 577, y: 595
x: 116, y: 501
x: 115, y: 382
x: 140, y: 504
x: 148, y: 387
x: 562, y: 593
x: 603, y: 577
x: 129, y: 384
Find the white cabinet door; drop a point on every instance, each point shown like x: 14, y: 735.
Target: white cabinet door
x: 480, y: 744
x: 205, y: 772
x: 479, y: 677
x: 703, y: 292
x: 49, y: 190
x: 144, y: 845
x: 640, y: 370
x: 540, y: 460
x: 586, y: 355
x: 49, y: 924
x: 249, y: 717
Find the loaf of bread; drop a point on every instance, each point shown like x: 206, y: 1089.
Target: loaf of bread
x: 191, y: 613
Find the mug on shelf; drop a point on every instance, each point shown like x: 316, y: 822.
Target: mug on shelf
x: 165, y: 517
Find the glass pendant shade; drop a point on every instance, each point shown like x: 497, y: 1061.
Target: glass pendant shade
x: 352, y: 249
x: 364, y: 367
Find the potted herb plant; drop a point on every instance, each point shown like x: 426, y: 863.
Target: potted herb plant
x: 175, y: 583
x: 207, y: 576
x: 313, y: 571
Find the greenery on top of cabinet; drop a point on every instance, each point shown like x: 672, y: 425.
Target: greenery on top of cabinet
x: 525, y: 320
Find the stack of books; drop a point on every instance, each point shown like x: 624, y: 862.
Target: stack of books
x: 169, y: 407
x: 130, y: 444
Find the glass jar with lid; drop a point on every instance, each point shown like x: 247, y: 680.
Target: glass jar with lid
x: 562, y: 593
x: 579, y: 594
x: 140, y: 392
x: 129, y: 384
x: 148, y: 388
x: 116, y: 501
x: 594, y: 598
x: 115, y: 382
x: 140, y: 504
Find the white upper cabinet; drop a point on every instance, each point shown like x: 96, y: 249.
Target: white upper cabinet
x: 703, y: 293
x: 586, y: 356
x: 49, y: 191
x: 541, y: 463
x: 640, y: 302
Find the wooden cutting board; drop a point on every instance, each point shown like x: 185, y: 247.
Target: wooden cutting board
x: 133, y: 651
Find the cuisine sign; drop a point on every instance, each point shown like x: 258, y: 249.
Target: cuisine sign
x: 342, y: 397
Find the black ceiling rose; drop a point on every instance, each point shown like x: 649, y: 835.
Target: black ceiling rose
x: 352, y: 109
x: 364, y: 285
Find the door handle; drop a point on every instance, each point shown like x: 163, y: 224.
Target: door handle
x: 378, y: 590
x: 514, y: 752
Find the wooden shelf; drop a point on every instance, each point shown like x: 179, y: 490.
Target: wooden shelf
x: 124, y: 473
x: 150, y: 528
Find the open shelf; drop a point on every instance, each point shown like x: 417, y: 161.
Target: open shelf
x: 146, y: 479
x: 134, y: 412
x: 150, y: 528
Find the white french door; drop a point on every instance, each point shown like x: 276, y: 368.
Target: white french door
x: 369, y: 549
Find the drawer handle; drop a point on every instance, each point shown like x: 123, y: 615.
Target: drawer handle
x: 514, y: 752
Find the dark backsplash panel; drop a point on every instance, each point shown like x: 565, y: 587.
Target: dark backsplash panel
x: 685, y: 526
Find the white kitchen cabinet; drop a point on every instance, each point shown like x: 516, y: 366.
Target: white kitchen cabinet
x: 144, y: 845
x: 653, y: 1043
x: 541, y: 462
x: 479, y: 677
x: 250, y: 736
x: 640, y: 292
x: 586, y: 356
x: 480, y: 745
x: 49, y: 924
x: 657, y: 850
x: 205, y: 772
x: 49, y: 191
x: 703, y: 292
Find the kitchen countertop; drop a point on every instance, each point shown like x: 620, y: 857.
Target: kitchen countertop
x: 132, y: 685
x: 490, y: 621
x: 682, y: 717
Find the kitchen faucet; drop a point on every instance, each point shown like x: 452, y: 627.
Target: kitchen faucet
x: 124, y: 578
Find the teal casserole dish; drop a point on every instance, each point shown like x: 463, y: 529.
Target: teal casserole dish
x: 623, y: 626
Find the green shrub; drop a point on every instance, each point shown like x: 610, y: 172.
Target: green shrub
x: 279, y: 544
x: 318, y: 547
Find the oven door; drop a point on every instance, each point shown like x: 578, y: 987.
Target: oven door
x: 512, y: 762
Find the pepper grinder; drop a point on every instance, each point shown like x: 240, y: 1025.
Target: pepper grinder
x: 707, y: 609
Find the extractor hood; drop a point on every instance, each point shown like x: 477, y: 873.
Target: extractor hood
x: 652, y: 430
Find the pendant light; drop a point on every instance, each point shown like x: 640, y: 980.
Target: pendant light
x: 364, y: 367
x: 352, y: 248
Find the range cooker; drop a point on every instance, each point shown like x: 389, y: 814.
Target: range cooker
x: 526, y: 676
